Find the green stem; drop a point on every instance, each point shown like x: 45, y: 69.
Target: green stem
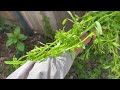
x: 90, y: 35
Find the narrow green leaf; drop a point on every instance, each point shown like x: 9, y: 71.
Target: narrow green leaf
x: 115, y: 44
x: 99, y: 28
x: 70, y: 20
x: 71, y: 15
x: 14, y: 62
x: 106, y: 67
x: 64, y: 21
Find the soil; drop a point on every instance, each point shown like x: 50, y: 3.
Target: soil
x: 7, y: 53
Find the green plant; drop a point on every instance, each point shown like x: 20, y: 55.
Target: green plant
x: 104, y: 48
x: 16, y: 39
x: 11, y: 67
x: 90, y: 69
x: 47, y: 29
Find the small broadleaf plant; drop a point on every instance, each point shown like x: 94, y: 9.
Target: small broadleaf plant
x: 16, y: 39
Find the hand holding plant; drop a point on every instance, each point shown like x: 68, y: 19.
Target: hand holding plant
x: 104, y: 48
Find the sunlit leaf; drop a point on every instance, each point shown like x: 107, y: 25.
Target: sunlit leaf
x: 98, y: 27
x: 64, y: 21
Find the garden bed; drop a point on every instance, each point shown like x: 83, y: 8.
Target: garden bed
x: 8, y: 53
x: 97, y: 61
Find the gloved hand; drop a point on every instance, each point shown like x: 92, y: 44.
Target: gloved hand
x: 52, y: 68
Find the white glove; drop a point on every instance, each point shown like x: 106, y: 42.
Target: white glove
x: 52, y: 68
